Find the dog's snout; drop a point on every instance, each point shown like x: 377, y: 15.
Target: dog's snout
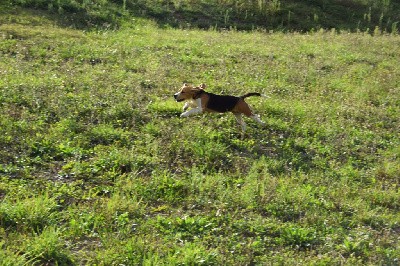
x: 177, y: 97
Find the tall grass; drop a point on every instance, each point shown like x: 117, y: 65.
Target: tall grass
x: 237, y: 14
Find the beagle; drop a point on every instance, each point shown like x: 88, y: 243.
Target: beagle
x: 202, y: 101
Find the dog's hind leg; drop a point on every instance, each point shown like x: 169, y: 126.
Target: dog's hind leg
x: 239, y: 119
x: 257, y: 119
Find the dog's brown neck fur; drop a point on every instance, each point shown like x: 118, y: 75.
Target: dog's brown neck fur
x: 198, y: 94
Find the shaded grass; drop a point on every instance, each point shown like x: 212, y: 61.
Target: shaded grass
x: 352, y: 15
x: 96, y: 166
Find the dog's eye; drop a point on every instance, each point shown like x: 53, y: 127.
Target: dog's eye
x: 182, y: 92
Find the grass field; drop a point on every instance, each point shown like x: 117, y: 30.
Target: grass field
x: 97, y: 167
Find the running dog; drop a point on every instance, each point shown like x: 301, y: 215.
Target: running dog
x: 202, y: 101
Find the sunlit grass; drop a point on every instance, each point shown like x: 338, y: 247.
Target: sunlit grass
x: 97, y: 167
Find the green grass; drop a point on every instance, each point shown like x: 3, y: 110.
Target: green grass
x: 97, y: 167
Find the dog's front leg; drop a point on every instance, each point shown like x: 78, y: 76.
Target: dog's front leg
x: 186, y: 106
x: 194, y: 111
x: 197, y: 108
x: 189, y: 104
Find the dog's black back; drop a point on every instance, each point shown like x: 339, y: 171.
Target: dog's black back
x: 221, y: 103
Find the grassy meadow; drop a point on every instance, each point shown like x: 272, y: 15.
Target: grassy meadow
x: 97, y: 167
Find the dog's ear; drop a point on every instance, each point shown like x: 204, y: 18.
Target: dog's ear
x: 196, y: 92
x: 202, y: 86
x: 196, y: 89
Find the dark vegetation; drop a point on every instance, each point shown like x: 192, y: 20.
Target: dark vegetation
x: 308, y: 15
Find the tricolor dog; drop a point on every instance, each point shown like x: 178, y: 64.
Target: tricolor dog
x: 202, y: 101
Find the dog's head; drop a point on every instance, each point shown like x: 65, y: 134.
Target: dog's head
x: 188, y: 92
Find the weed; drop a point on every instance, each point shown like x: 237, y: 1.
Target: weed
x: 299, y: 237
x: 9, y: 257
x: 193, y: 254
x: 29, y: 213
x: 47, y: 247
x: 84, y: 223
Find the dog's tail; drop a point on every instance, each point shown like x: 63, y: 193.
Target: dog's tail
x: 250, y: 94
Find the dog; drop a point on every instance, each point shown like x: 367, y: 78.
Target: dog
x: 202, y: 101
